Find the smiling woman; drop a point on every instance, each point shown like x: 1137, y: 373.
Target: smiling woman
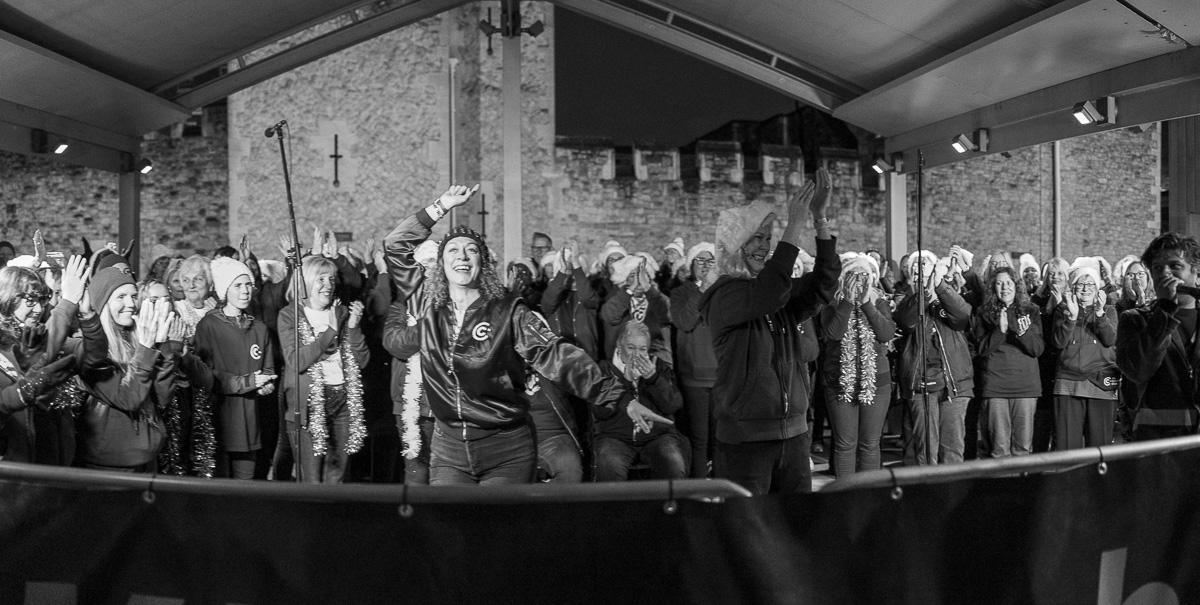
x: 475, y: 344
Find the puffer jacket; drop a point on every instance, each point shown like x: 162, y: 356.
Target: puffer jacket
x: 475, y: 376
x: 1088, y: 344
x: 948, y: 357
x: 763, y: 343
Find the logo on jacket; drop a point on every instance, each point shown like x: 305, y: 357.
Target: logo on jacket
x: 481, y: 331
x: 255, y: 352
x: 1111, y: 381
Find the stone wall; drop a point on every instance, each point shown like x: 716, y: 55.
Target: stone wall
x: 184, y: 199
x: 1109, y: 206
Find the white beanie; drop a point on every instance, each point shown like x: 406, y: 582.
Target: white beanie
x: 931, y: 260
x: 1083, y: 271
x: 853, y: 261
x: 1029, y: 262
x: 624, y: 267
x: 1089, y: 262
x: 27, y: 261
x: 695, y: 251
x: 735, y: 226
x: 1123, y: 266
x: 676, y: 245
x: 224, y: 271
x: 609, y: 248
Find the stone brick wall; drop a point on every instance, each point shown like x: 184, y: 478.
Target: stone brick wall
x: 1109, y: 205
x: 184, y: 199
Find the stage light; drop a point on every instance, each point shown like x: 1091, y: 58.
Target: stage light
x: 62, y: 148
x: 144, y: 166
x: 977, y: 141
x: 1100, y: 111
x: 881, y: 165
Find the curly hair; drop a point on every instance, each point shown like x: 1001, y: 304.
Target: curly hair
x: 1187, y: 246
x: 17, y: 283
x: 992, y: 305
x: 489, y: 284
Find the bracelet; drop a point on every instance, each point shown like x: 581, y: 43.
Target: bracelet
x: 436, y: 210
x: 823, y: 223
x: 440, y: 206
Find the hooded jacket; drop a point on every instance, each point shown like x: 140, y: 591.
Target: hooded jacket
x: 948, y: 358
x: 119, y: 423
x: 475, y: 376
x: 1087, y: 343
x: 763, y: 345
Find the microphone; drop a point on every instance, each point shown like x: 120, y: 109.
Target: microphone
x: 1192, y: 291
x: 271, y: 131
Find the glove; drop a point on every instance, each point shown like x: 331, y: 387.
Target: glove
x: 38, y: 385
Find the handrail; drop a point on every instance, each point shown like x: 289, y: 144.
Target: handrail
x: 711, y: 490
x: 1033, y: 463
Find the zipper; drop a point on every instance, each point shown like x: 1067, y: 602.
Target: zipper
x: 946, y: 362
x: 454, y: 334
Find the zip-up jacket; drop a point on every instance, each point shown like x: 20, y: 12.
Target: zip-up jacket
x: 762, y: 386
x: 1087, y: 343
x: 475, y: 375
x: 326, y: 344
x: 119, y: 423
x: 1152, y: 354
x: 835, y: 320
x: 695, y: 361
x: 570, y: 305
x: 947, y: 356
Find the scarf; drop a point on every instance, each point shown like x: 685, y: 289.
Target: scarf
x: 410, y: 412
x: 858, y: 360
x: 190, y: 317
x: 317, y: 427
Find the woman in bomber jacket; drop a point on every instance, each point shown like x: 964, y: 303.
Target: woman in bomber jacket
x: 1087, y: 382
x: 476, y: 343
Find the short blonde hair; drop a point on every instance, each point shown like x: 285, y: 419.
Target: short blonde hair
x: 311, y: 268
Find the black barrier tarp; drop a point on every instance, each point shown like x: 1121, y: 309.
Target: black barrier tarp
x: 1037, y: 539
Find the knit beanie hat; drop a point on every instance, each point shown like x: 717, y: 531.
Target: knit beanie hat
x: 1122, y: 266
x: 735, y: 226
x: 1089, y: 262
x: 611, y: 248
x: 626, y: 266
x: 485, y: 255
x: 695, y: 251
x: 1028, y: 262
x: 224, y: 271
x: 676, y: 245
x: 1081, y: 272
x: 930, y: 261
x: 853, y: 261
x: 106, y: 280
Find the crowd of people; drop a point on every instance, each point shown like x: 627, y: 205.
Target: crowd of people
x: 720, y: 359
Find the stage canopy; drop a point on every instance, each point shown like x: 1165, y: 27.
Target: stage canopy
x: 917, y: 72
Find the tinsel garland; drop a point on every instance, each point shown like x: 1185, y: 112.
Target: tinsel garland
x: 170, y: 460
x: 68, y: 396
x: 204, y: 434
x: 317, y: 427
x: 410, y: 412
x: 858, y: 360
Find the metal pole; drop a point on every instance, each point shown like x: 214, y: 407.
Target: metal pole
x: 300, y: 295
x: 921, y: 323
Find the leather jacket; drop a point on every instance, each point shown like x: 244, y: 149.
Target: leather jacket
x: 475, y: 378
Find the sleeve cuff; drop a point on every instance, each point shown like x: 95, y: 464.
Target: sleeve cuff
x: 425, y: 219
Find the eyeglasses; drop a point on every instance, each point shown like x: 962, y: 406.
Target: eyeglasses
x: 33, y: 301
x: 1084, y: 287
x: 705, y: 261
x: 1138, y: 275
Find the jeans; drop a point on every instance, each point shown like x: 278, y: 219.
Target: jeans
x: 1079, y: 421
x: 857, y: 430
x: 698, y: 403
x: 1010, y: 425
x: 663, y: 454
x: 416, y: 470
x: 767, y: 467
x: 508, y: 456
x: 330, y: 467
x: 938, y: 427
x: 559, y: 460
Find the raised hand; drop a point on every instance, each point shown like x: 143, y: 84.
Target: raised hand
x: 1023, y: 323
x: 1101, y: 300
x: 146, y: 328
x: 39, y: 246
x: 176, y: 329
x: 356, y: 313
x: 1072, y: 305
x: 244, y: 248
x: 162, y: 320
x: 457, y: 195
x: 318, y: 241
x: 285, y: 245
x: 329, y: 245
x: 820, y: 199
x: 801, y: 201
x: 74, y: 279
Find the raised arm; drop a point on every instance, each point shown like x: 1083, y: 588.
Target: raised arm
x: 402, y: 242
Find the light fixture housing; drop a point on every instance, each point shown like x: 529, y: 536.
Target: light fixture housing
x: 882, y: 165
x: 1100, y: 111
x: 61, y: 149
x: 976, y: 141
x: 144, y: 166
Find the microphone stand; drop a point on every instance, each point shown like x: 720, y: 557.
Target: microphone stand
x: 921, y: 305
x: 300, y: 295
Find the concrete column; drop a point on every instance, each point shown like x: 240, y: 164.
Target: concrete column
x: 1184, y: 158
x: 511, y: 95
x: 129, y: 216
x: 897, y: 215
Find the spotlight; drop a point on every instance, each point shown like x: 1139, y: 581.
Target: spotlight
x: 62, y: 148
x: 881, y: 165
x: 977, y: 141
x: 144, y: 166
x: 1100, y: 111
